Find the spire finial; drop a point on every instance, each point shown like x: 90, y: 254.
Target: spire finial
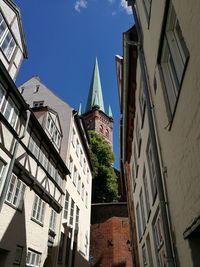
x: 95, y: 92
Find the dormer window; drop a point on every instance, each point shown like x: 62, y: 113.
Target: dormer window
x: 53, y: 130
x: 37, y: 104
x: 7, y: 42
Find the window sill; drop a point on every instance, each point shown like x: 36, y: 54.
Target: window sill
x: 13, y: 206
x: 34, y: 220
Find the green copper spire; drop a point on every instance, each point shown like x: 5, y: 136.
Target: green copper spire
x: 95, y: 97
x: 109, y: 112
x: 80, y: 109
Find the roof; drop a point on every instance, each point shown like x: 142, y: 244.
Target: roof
x: 95, y: 97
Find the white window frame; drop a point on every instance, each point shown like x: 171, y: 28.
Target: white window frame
x: 66, y: 207
x: 3, y: 93
x: 146, y: 192
x: 79, y: 184
x: 75, y: 175
x: 33, y: 258
x: 38, y: 209
x: 2, y: 171
x: 52, y: 224
x: 142, y: 210
x: 77, y: 218
x: 83, y: 191
x: 8, y: 50
x: 13, y: 113
x: 152, y: 169
x: 139, y: 229
x: 16, y: 191
x: 173, y: 61
x: 71, y: 216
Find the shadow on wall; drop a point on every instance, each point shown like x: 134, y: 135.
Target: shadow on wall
x: 13, y: 238
x: 194, y: 244
x: 120, y: 264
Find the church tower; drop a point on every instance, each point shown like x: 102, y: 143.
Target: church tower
x: 95, y: 116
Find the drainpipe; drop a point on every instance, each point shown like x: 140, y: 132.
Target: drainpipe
x: 12, y: 162
x: 161, y: 194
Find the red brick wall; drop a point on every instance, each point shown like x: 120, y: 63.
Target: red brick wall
x: 110, y: 238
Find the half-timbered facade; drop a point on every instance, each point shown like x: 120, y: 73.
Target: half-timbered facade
x: 32, y: 184
x: 67, y: 133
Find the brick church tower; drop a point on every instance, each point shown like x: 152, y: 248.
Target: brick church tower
x: 110, y: 235
x: 95, y: 116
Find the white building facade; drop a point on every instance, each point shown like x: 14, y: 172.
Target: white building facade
x: 70, y: 130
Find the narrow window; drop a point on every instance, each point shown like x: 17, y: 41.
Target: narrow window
x: 71, y: 219
x: 77, y: 218
x: 138, y: 222
x: 173, y: 60
x: 152, y: 169
x: 52, y: 224
x: 16, y: 191
x: 66, y: 208
x: 38, y: 209
x: 142, y: 210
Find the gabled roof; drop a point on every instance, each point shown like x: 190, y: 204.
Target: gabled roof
x: 95, y: 97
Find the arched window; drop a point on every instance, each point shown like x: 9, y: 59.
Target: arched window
x: 107, y: 133
x: 101, y: 128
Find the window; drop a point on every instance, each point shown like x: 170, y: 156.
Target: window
x: 133, y: 175
x: 2, y: 95
x: 37, y: 104
x: 142, y: 101
x: 173, y: 60
x: 146, y: 191
x: 79, y: 184
x: 88, y: 175
x: 70, y: 164
x: 52, y: 224
x: 18, y: 255
x: 75, y: 175
x: 77, y: 148
x: 66, y: 208
x: 144, y: 256
x: 152, y: 169
x: 33, y: 259
x: 43, y: 159
x: 138, y: 222
x: 142, y: 210
x: 2, y: 170
x: 101, y: 129
x: 58, y: 178
x: 157, y: 227
x: 82, y: 191
x: 77, y: 218
x: 84, y: 165
x: 71, y: 219
x: 52, y: 170
x: 107, y: 133
x: 73, y: 137
x: 86, y: 199
x: 7, y: 42
x: 81, y: 157
x: 138, y: 137
x: 135, y: 161
x: 16, y: 191
x: 33, y: 146
x: 11, y: 113
x: 159, y: 241
x: 38, y: 209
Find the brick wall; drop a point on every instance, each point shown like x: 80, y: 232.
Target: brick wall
x: 110, y: 236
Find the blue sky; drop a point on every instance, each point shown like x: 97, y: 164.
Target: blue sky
x: 63, y: 38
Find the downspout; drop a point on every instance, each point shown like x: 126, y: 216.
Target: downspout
x: 161, y: 194
x: 12, y: 162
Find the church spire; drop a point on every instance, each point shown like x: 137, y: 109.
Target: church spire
x: 95, y: 97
